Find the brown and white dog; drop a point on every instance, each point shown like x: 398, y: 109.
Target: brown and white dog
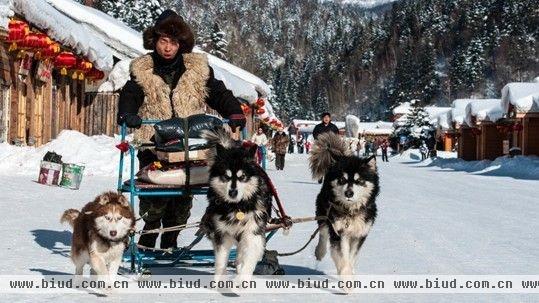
x: 100, y: 234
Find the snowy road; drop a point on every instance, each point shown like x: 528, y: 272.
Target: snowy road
x: 431, y: 221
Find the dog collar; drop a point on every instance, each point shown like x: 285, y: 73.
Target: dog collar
x: 240, y: 215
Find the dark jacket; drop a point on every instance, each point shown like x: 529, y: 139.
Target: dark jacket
x: 219, y: 97
x: 322, y: 128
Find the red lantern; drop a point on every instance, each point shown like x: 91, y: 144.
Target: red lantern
x: 95, y: 75
x: 50, y: 51
x: 266, y: 120
x: 65, y: 60
x: 29, y: 41
x: 260, y: 111
x: 260, y: 102
x: 245, y: 108
x: 83, y: 67
x: 518, y: 127
x: 41, y: 44
x: 17, y: 31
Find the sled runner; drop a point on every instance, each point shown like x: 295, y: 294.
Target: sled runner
x: 143, y: 258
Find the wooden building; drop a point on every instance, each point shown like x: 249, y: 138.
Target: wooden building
x: 34, y: 110
x: 466, y: 143
x: 520, y: 103
x: 482, y: 116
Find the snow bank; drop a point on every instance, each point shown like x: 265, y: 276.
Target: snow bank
x: 523, y: 96
x: 66, y: 31
x: 97, y: 153
x: 526, y: 167
x: 483, y: 110
x: 521, y: 167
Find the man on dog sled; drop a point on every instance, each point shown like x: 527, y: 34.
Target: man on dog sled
x: 171, y: 81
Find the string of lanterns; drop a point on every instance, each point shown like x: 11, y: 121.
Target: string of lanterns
x: 22, y: 39
x: 260, y: 110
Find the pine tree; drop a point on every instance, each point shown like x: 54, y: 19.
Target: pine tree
x: 428, y: 83
x: 138, y: 14
x: 416, y: 127
x: 215, y: 42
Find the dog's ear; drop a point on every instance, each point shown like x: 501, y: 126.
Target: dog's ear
x: 252, y: 151
x: 104, y: 199
x: 371, y: 162
x: 123, y: 200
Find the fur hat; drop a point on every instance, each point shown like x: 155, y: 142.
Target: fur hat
x: 171, y: 24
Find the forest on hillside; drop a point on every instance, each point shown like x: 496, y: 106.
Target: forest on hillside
x: 344, y: 58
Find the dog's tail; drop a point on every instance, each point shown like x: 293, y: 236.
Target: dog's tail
x: 69, y: 216
x: 217, y: 136
x: 326, y: 147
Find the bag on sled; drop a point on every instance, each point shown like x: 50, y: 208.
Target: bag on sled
x: 169, y: 174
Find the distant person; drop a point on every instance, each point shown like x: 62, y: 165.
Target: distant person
x: 423, y: 150
x: 279, y: 145
x: 325, y: 126
x: 299, y: 142
x: 384, y: 146
x: 292, y: 130
x: 291, y: 143
x: 367, y: 148
x: 260, y: 139
x: 308, y: 146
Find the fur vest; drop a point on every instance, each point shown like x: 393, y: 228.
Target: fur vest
x: 187, y: 98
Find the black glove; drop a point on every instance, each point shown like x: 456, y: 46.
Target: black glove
x: 237, y: 120
x: 131, y: 120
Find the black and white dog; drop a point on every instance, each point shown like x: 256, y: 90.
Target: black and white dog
x: 347, y: 199
x: 239, y: 205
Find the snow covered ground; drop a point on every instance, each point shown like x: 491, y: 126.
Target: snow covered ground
x: 435, y: 217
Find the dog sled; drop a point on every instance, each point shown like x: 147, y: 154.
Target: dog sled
x: 142, y: 259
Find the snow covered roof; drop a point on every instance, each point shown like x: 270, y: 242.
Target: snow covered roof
x: 61, y: 28
x: 123, y: 41
x: 376, y: 128
x: 126, y: 43
x: 443, y: 121
x: 307, y: 126
x: 483, y: 110
x: 100, y: 37
x: 432, y: 111
x: 523, y: 96
x: 458, y: 109
x: 6, y: 12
